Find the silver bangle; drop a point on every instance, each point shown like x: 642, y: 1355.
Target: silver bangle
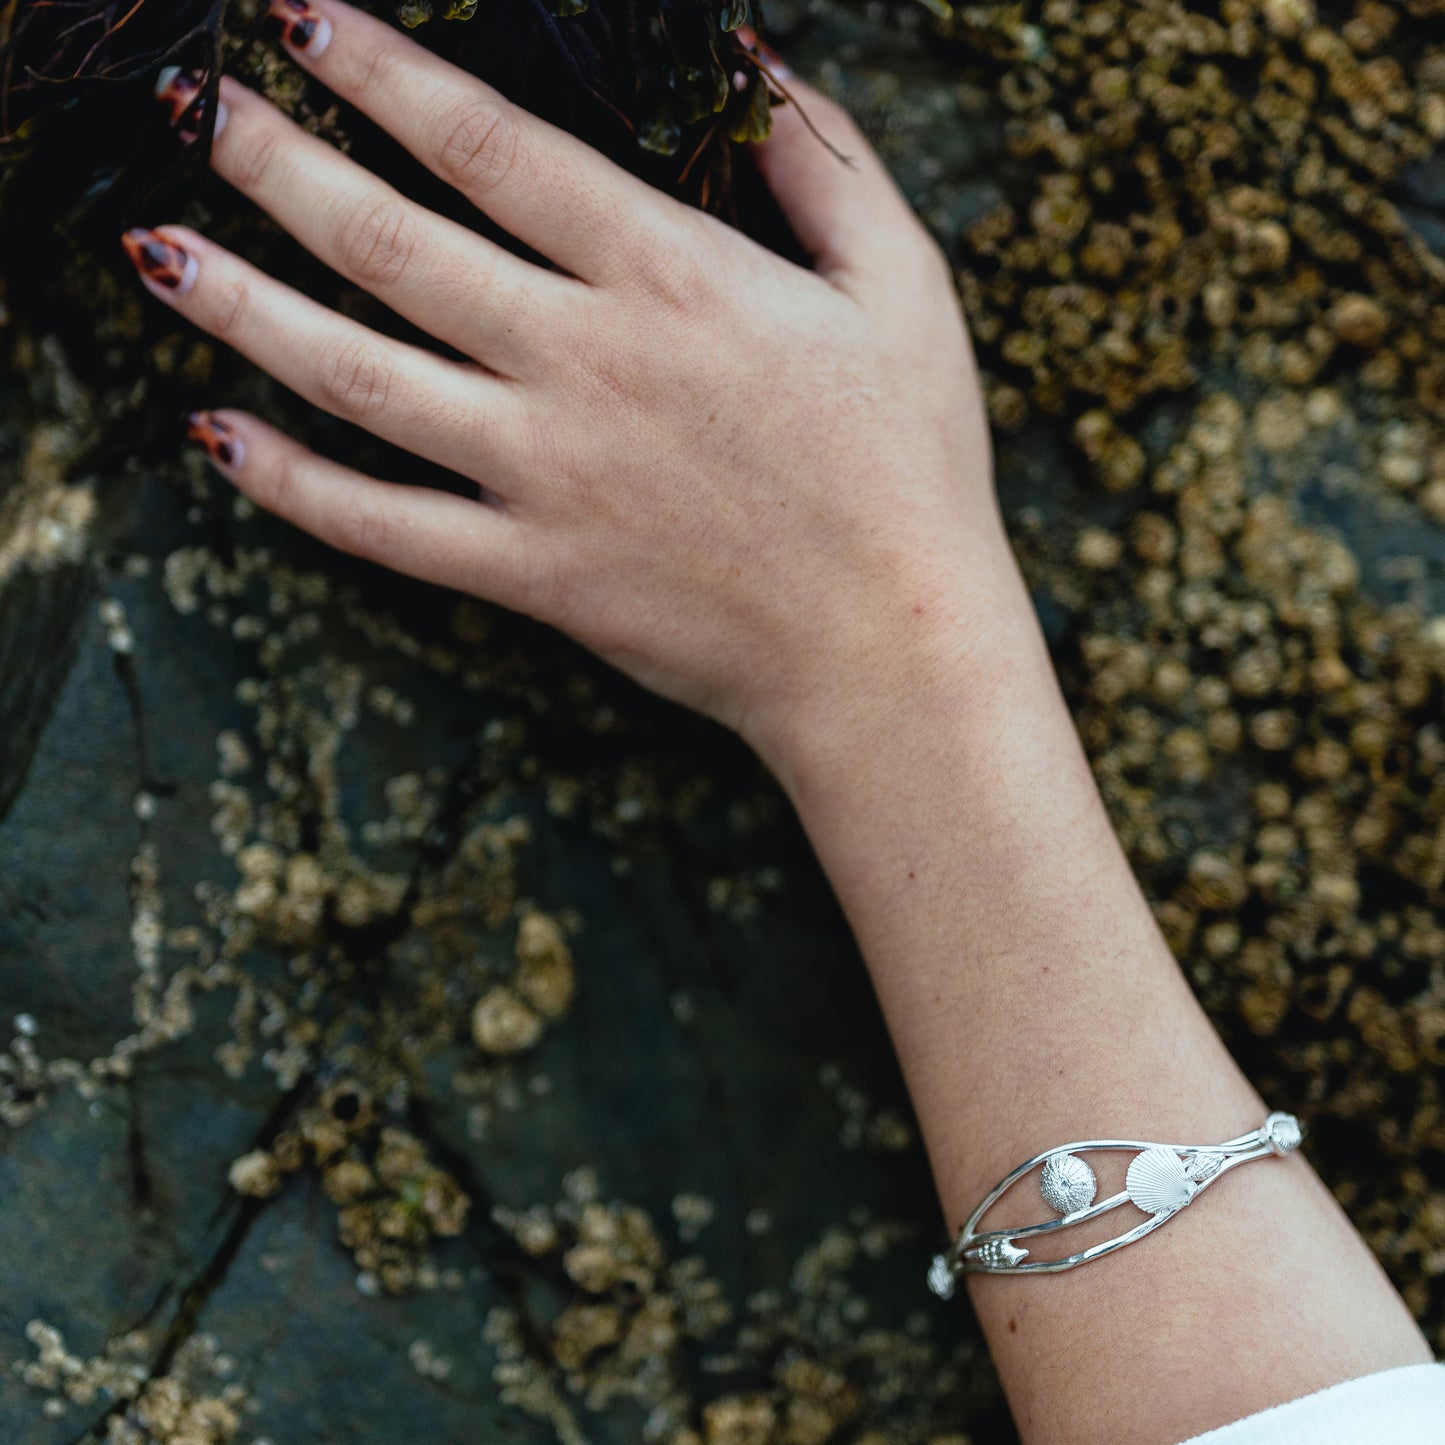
x: 1162, y: 1179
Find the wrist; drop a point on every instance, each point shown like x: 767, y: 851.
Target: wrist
x: 931, y: 667
x: 948, y: 798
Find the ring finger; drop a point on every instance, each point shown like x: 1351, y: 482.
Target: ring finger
x: 452, y: 413
x: 453, y: 283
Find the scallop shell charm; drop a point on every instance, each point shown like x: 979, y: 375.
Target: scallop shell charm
x: 1067, y: 1183
x: 1158, y: 1182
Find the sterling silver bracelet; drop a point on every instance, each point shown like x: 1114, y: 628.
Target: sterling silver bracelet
x: 1162, y: 1179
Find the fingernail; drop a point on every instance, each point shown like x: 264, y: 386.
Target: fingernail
x: 161, y: 262
x: 301, y: 26
x: 778, y: 68
x: 222, y: 442
x: 183, y: 93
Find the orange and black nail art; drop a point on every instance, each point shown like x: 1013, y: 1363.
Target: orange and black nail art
x: 222, y: 443
x: 161, y: 262
x: 773, y: 64
x: 299, y: 25
x: 183, y: 93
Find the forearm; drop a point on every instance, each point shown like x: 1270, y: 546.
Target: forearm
x: 1032, y: 1001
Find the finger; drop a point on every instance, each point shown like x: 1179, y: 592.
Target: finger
x: 452, y: 283
x: 449, y: 412
x: 841, y: 203
x: 433, y: 535
x: 550, y: 190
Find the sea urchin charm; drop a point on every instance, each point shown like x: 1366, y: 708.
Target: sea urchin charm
x: 1067, y: 1183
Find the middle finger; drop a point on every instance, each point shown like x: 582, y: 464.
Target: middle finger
x: 457, y: 286
x: 452, y: 413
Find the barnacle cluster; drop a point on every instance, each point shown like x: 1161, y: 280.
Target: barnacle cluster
x: 1191, y: 183
x: 392, y: 1200
x: 197, y: 1400
x: 640, y: 1313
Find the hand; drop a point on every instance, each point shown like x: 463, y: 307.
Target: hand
x: 747, y: 484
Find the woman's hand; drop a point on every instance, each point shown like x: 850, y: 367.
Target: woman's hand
x: 749, y: 485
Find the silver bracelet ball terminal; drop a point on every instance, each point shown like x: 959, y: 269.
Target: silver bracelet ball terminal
x: 1162, y: 1179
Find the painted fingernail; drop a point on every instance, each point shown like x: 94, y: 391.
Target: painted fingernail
x: 183, y: 93
x: 299, y: 25
x: 777, y: 67
x: 222, y: 441
x: 161, y: 262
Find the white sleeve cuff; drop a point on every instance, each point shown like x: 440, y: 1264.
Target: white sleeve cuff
x: 1403, y: 1406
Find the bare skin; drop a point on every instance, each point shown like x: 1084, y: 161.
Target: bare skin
x: 825, y: 571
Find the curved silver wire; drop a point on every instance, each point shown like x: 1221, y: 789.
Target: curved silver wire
x: 1196, y: 1166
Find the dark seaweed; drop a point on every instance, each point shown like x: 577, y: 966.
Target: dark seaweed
x: 665, y: 86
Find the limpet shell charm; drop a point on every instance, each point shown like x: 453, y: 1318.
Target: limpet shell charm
x: 1067, y: 1183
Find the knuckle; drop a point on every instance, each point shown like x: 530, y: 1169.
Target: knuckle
x: 232, y: 304
x: 377, y: 68
x: 379, y: 239
x: 665, y: 272
x: 256, y: 164
x: 364, y: 529
x: 478, y: 147
x: 275, y: 488
x: 927, y: 264
x: 609, y: 371
x: 354, y: 379
x: 540, y: 586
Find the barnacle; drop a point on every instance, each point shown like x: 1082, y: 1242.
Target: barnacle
x: 1211, y: 174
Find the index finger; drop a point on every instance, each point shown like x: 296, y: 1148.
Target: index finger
x: 547, y: 188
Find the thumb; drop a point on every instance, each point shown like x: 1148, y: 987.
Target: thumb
x: 840, y: 201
